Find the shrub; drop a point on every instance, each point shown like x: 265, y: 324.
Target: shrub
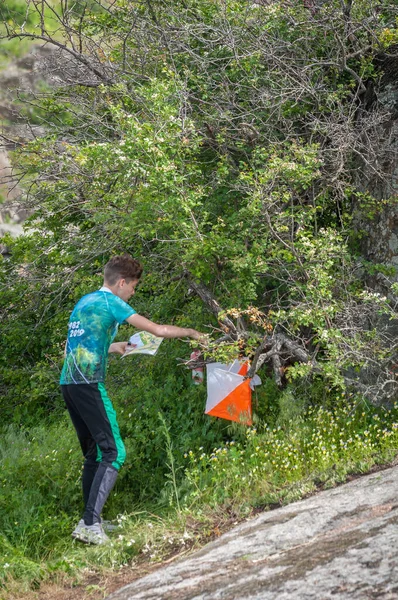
x: 321, y: 445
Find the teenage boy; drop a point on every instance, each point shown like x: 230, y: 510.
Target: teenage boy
x: 92, y: 327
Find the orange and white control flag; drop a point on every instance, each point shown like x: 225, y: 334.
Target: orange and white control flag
x: 229, y: 394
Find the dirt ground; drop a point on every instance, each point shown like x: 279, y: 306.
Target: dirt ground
x: 92, y: 586
x: 97, y: 586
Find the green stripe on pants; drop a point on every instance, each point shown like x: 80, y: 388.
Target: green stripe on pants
x: 111, y: 414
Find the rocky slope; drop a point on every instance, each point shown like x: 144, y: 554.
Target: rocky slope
x: 20, y: 76
x: 338, y: 544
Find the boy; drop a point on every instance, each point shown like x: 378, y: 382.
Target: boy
x: 92, y: 327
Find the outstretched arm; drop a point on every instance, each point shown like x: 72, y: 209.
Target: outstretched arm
x: 165, y: 331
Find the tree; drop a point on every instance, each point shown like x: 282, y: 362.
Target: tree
x: 221, y: 143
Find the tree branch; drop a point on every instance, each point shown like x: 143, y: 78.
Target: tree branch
x: 79, y: 57
x: 207, y: 297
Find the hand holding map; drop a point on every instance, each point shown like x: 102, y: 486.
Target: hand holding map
x: 143, y: 343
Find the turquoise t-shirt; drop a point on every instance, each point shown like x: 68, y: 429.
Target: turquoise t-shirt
x: 92, y: 326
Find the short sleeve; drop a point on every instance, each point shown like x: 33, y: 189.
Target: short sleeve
x: 120, y: 309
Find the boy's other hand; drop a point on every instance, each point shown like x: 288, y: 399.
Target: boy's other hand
x: 118, y: 348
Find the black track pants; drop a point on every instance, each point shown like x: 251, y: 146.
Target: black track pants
x: 95, y: 422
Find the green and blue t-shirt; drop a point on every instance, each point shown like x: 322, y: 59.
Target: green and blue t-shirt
x: 92, y: 327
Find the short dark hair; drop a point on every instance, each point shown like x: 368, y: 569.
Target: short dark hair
x: 122, y: 267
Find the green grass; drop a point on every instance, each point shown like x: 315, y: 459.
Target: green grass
x: 40, y: 488
x: 281, y: 463
x: 18, y: 12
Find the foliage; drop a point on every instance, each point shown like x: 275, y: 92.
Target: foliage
x: 19, y: 13
x: 39, y: 474
x: 212, y: 156
x: 278, y: 462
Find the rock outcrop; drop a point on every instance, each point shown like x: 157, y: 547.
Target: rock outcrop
x: 339, y: 544
x: 21, y: 76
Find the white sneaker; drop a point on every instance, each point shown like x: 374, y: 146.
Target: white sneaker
x: 109, y: 526
x: 90, y: 534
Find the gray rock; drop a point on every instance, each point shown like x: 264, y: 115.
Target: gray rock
x: 338, y: 544
x: 13, y: 228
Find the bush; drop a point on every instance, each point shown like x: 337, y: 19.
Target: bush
x: 281, y: 462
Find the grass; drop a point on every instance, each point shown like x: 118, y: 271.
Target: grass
x: 261, y: 467
x: 15, y: 13
x: 283, y: 463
